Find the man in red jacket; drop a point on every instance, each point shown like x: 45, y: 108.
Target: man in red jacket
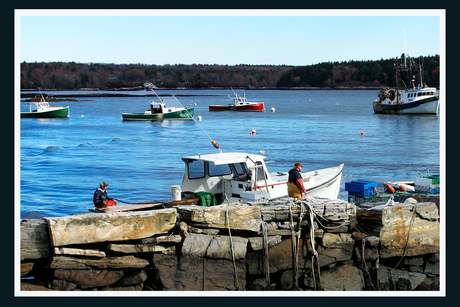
x: 295, y: 182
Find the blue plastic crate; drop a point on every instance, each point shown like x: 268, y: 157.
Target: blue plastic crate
x: 361, y: 188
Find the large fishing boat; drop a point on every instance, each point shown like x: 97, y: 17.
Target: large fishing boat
x: 239, y: 104
x: 235, y: 177
x: 412, y: 99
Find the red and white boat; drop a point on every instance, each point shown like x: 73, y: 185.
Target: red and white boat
x: 239, y: 104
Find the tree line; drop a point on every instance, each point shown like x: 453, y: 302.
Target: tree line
x: 379, y: 73
x: 71, y: 75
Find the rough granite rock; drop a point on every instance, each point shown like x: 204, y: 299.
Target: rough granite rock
x: 121, y: 226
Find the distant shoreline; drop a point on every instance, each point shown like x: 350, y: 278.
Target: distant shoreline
x: 32, y: 93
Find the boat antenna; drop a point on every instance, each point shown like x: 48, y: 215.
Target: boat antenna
x: 233, y: 91
x: 404, y: 47
x: 213, y: 142
x: 161, y: 100
x: 41, y: 94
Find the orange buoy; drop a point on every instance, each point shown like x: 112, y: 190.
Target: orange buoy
x: 402, y: 188
x: 390, y: 188
x: 376, y: 191
x: 362, y: 133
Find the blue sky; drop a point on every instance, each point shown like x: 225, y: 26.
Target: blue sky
x: 274, y: 37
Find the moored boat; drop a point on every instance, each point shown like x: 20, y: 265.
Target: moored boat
x: 160, y: 111
x: 413, y: 99
x: 42, y: 109
x: 235, y: 177
x: 239, y: 104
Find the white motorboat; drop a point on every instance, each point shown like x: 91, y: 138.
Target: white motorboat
x: 235, y: 177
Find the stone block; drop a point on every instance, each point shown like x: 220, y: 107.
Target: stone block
x: 195, y: 245
x: 221, y: 247
x: 395, y: 279
x: 133, y: 279
x: 66, y: 262
x: 86, y: 279
x: 407, y: 232
x: 257, y: 243
x: 341, y: 240
x: 121, y: 226
x: 199, y: 274
x: 35, y: 241
x: 233, y: 217
x: 342, y: 278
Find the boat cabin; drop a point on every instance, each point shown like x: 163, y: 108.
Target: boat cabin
x: 231, y: 173
x: 238, y: 100
x: 420, y: 93
x: 157, y: 107
x: 39, y: 106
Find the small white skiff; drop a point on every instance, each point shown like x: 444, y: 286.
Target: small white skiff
x: 242, y: 176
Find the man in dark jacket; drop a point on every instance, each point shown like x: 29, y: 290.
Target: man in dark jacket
x: 100, y: 196
x: 295, y: 182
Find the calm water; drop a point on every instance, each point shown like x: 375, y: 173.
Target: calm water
x: 63, y: 160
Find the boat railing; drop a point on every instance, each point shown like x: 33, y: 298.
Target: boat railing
x: 254, y: 178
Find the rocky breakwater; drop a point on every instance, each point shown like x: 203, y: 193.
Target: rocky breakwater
x: 289, y: 244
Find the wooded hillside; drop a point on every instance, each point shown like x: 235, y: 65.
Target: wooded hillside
x: 71, y: 75
x: 356, y: 73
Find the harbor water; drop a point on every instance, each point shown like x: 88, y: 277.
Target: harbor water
x: 62, y: 161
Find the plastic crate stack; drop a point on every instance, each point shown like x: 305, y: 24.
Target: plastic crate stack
x: 361, y: 188
x: 425, y: 184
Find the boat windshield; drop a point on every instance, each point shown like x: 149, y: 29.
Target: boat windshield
x: 241, y: 168
x: 195, y: 169
x: 260, y: 175
x: 219, y: 170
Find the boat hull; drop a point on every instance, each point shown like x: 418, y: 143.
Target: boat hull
x: 324, y: 183
x: 180, y: 115
x: 256, y: 107
x: 56, y: 112
x: 423, y: 106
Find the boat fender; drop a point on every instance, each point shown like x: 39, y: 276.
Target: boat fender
x: 402, y: 188
x: 389, y: 188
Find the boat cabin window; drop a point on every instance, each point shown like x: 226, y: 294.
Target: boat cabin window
x: 219, y: 170
x: 241, y: 168
x: 259, y: 171
x: 195, y: 169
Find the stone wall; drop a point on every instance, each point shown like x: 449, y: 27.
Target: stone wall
x: 285, y: 245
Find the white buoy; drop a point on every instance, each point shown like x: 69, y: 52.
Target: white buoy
x: 199, y: 117
x: 253, y: 132
x: 273, y: 109
x: 82, y: 116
